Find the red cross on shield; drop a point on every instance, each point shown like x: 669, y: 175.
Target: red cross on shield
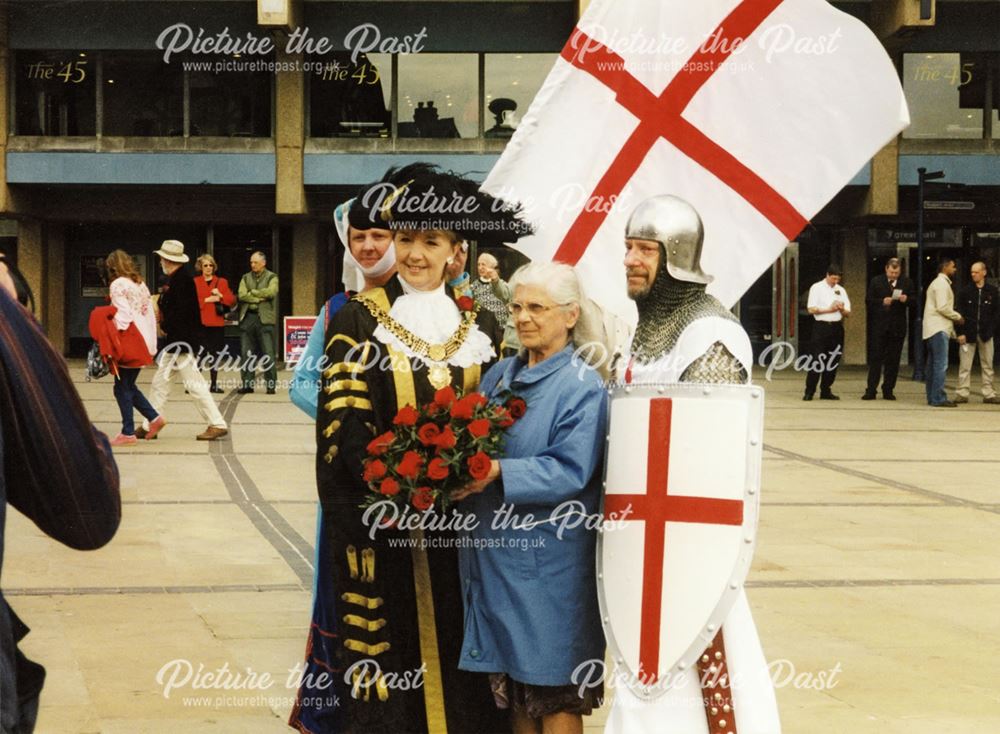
x: 680, y: 505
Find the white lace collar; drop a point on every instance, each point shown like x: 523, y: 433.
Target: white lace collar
x: 434, y: 317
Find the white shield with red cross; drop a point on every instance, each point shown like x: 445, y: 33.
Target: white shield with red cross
x: 682, y: 488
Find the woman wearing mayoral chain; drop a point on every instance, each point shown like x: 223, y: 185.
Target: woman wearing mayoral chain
x: 399, y: 597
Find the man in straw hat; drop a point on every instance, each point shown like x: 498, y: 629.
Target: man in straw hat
x: 180, y: 319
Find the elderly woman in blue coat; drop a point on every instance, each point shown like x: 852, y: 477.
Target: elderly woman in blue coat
x: 531, y: 613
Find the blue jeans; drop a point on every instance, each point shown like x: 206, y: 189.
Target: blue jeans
x: 128, y: 396
x: 937, y: 367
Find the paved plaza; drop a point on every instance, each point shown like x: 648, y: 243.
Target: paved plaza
x: 875, y: 585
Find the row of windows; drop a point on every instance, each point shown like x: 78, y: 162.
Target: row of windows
x: 136, y: 94
x: 439, y: 95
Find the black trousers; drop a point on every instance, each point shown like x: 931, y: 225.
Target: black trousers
x: 827, y: 351
x: 885, y: 353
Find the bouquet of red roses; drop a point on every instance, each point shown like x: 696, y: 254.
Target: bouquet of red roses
x: 438, y: 448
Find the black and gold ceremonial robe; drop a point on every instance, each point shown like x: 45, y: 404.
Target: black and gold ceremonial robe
x: 399, y: 613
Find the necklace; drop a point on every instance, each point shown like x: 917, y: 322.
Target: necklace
x: 436, y: 355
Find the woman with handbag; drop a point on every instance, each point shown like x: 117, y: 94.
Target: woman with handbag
x: 216, y: 299
x: 132, y: 331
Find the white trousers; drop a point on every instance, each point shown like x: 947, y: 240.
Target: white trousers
x: 966, y: 355
x: 185, y: 364
x: 681, y: 710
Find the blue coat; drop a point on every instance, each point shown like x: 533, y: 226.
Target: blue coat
x: 530, y: 597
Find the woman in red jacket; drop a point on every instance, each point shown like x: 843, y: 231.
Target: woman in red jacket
x: 215, y: 298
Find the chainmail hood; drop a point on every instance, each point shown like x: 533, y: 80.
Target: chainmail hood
x: 668, y: 308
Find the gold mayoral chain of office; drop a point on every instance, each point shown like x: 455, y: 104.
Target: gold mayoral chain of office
x: 436, y: 355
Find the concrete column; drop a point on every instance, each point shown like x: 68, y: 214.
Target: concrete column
x: 883, y: 192
x: 31, y: 260
x: 895, y: 21
x: 855, y: 265
x: 7, y: 205
x: 307, y: 278
x: 289, y: 136
x: 55, y: 286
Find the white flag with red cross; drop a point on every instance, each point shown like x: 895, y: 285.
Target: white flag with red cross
x: 757, y: 112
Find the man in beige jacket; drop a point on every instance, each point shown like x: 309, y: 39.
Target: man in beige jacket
x: 940, y: 318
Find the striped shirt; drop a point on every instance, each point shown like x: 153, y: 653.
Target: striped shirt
x: 57, y: 469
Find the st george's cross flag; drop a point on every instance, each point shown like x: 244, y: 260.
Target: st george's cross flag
x: 757, y: 112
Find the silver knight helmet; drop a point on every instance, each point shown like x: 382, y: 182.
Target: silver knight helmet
x: 675, y: 224
x: 677, y: 298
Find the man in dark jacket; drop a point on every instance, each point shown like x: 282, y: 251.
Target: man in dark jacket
x: 55, y: 468
x: 978, y: 302
x: 890, y: 298
x: 180, y: 319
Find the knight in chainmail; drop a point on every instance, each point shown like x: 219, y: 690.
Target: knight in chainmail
x: 686, y: 335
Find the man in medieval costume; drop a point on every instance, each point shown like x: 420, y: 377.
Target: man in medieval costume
x: 687, y: 335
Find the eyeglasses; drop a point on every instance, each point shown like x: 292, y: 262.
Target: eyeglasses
x: 534, y: 310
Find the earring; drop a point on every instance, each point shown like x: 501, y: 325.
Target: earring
x: 450, y: 261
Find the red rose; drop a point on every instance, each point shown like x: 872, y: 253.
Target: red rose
x: 479, y: 428
x: 447, y: 439
x: 463, y: 408
x: 374, y: 470
x: 432, y: 409
x: 504, y: 418
x: 465, y: 303
x: 428, y: 434
x: 407, y: 416
x: 409, y: 465
x: 437, y: 469
x: 423, y: 498
x: 389, y: 487
x: 517, y: 408
x: 477, y: 398
x: 380, y: 444
x: 445, y: 396
x: 479, y: 465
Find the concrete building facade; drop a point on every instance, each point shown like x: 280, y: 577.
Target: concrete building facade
x: 214, y: 122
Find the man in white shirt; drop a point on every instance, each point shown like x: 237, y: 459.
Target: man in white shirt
x: 940, y: 318
x: 828, y: 303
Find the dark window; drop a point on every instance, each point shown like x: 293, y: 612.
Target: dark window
x: 512, y: 81
x: 234, y: 101
x: 350, y: 99
x: 142, y: 95
x: 439, y: 96
x: 55, y: 93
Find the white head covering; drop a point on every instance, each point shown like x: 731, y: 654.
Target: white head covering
x: 353, y: 273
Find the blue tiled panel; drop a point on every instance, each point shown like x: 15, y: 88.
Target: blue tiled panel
x: 973, y: 170
x: 140, y: 168
x: 356, y: 169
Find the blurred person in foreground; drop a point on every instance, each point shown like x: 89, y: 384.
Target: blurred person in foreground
x: 57, y: 470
